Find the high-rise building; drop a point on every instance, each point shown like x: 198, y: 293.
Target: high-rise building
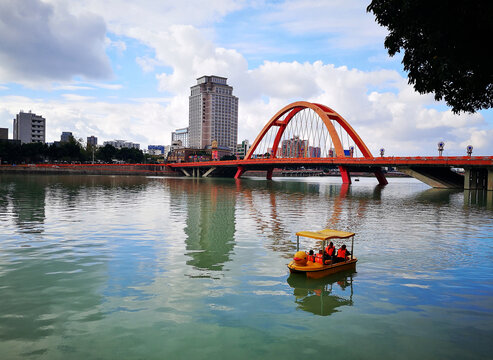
x: 4, y: 133
x: 242, y: 149
x: 29, y: 128
x: 180, y: 134
x: 65, y: 137
x: 92, y: 141
x: 294, y: 147
x: 213, y: 114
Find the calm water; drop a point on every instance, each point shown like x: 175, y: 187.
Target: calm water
x: 102, y: 267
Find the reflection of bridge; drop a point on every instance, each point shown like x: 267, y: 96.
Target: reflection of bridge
x: 314, y: 135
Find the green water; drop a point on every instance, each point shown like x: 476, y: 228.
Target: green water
x: 97, y: 267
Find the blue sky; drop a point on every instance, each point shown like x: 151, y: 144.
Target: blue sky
x: 120, y: 70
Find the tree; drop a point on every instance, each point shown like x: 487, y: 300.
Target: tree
x: 106, y: 153
x: 446, y: 47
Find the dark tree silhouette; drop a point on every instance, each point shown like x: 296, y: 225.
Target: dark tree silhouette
x: 446, y: 47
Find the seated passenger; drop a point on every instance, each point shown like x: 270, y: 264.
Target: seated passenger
x: 330, y: 250
x: 343, y: 254
x: 311, y: 256
x: 319, y: 258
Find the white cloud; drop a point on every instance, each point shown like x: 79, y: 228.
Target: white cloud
x: 42, y: 43
x: 380, y: 105
x: 75, y: 97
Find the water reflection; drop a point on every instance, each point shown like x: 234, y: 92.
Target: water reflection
x: 482, y: 198
x: 324, y: 296
x: 210, y: 223
x: 437, y: 196
x: 25, y: 201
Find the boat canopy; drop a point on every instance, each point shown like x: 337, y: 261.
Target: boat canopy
x: 326, y: 234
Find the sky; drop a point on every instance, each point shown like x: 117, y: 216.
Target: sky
x: 123, y: 70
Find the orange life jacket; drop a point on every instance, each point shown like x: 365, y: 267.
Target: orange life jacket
x: 329, y: 250
x: 341, y: 253
x: 319, y: 258
x: 311, y: 258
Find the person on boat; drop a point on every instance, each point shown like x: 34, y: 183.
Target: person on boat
x: 311, y: 256
x: 319, y: 258
x: 330, y: 250
x: 343, y: 254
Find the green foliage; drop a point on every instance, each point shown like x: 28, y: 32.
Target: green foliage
x: 446, y: 47
x: 70, y: 152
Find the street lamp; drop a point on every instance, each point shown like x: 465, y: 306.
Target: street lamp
x: 382, y: 151
x: 469, y: 150
x: 441, y: 144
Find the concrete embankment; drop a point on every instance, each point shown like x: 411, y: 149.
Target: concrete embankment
x: 91, y: 169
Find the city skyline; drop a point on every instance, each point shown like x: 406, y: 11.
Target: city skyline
x: 116, y: 77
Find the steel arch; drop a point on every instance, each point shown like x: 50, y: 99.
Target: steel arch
x: 325, y: 113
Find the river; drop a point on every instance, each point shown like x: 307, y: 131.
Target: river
x: 121, y: 267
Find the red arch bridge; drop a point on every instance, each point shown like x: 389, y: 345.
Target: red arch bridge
x: 308, y: 135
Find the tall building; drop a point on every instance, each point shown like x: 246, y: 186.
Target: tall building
x: 29, y: 128
x: 213, y: 114
x: 4, y: 133
x: 65, y: 137
x: 242, y: 149
x: 294, y: 148
x: 92, y: 141
x: 180, y: 134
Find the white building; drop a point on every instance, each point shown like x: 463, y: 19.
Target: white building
x: 119, y: 144
x: 180, y: 134
x: 213, y: 114
x: 29, y: 128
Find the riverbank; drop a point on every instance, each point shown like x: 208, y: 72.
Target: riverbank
x: 153, y: 170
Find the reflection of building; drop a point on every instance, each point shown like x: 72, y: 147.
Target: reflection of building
x: 213, y: 114
x: 180, y: 134
x: 120, y: 144
x: 29, y: 128
x: 210, y: 225
x: 294, y: 148
x: 65, y: 137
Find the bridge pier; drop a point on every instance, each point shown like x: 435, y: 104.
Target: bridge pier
x: 239, y: 172
x: 346, y: 177
x: 269, y: 173
x: 476, y: 179
x: 380, y: 177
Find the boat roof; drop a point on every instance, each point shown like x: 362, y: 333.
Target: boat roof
x: 326, y: 234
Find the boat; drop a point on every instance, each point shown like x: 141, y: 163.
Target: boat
x: 315, y: 270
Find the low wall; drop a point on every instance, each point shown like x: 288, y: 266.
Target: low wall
x: 91, y: 169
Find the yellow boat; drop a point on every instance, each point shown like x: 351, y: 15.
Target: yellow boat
x: 315, y: 270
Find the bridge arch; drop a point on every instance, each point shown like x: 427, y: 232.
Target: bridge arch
x: 283, y: 117
x: 296, y: 142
